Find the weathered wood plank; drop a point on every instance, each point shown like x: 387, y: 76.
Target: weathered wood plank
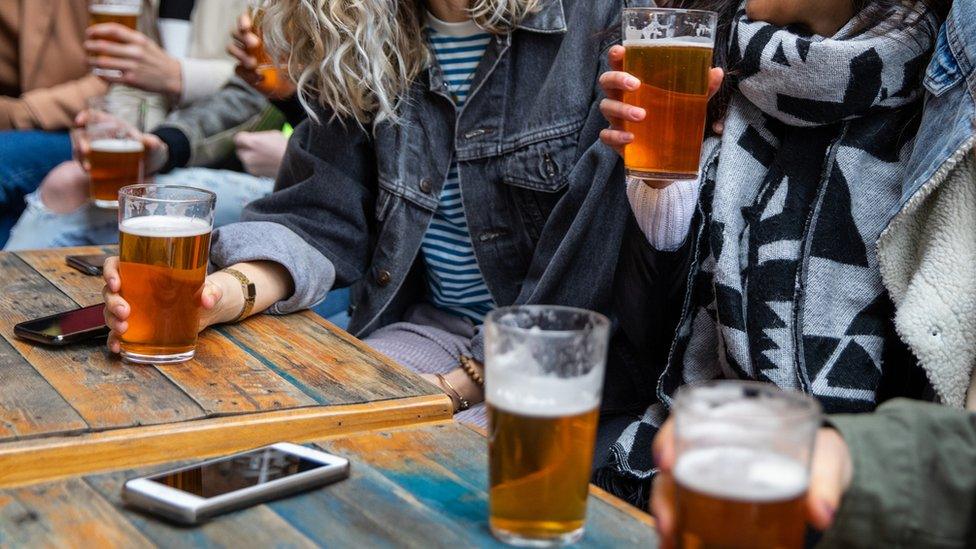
x: 99, y: 387
x: 253, y: 527
x: 24, y: 462
x: 323, y: 361
x: 64, y: 514
x: 29, y: 406
x: 50, y: 263
x: 243, y: 384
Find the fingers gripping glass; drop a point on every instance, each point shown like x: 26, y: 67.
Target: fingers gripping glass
x: 122, y: 12
x: 670, y: 52
x: 164, y: 249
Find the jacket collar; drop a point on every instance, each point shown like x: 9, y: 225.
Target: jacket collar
x: 549, y: 19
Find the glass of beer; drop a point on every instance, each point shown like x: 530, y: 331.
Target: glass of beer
x: 116, y: 155
x: 743, y: 462
x: 164, y: 248
x: 670, y: 52
x: 274, y: 82
x: 543, y: 379
x: 123, y: 12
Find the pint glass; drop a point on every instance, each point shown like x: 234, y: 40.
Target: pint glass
x: 274, y: 82
x: 670, y: 52
x: 116, y: 154
x: 742, y: 469
x: 164, y: 248
x: 543, y: 379
x: 123, y: 12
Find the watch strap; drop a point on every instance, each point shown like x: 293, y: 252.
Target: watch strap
x: 247, y: 287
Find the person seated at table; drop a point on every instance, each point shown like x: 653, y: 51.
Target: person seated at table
x: 451, y: 166
x: 179, y: 60
x: 903, y: 476
x: 768, y: 268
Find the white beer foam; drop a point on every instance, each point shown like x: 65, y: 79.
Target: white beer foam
x: 662, y: 42
x: 115, y: 9
x: 508, y: 387
x: 170, y: 226
x: 116, y: 145
x: 741, y: 474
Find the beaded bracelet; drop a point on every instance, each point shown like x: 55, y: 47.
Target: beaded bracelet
x: 472, y: 371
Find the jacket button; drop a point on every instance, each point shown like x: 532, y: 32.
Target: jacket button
x: 383, y: 277
x: 425, y: 185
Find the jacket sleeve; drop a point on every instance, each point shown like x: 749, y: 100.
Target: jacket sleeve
x: 51, y: 108
x: 914, y: 481
x: 208, y: 127
x: 318, y: 222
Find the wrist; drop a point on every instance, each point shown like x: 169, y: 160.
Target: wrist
x: 232, y: 297
x: 175, y: 81
x: 467, y: 388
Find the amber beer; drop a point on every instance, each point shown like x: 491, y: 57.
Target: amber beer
x: 162, y: 265
x: 674, y: 77
x: 734, y: 498
x: 126, y: 15
x: 114, y: 163
x: 273, y: 82
x: 536, y: 463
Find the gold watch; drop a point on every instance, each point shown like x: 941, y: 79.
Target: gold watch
x: 250, y: 292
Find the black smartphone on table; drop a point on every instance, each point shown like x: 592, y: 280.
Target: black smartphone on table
x: 65, y: 328
x: 88, y: 264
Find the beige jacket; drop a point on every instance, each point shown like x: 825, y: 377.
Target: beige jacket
x: 55, y: 82
x: 928, y: 261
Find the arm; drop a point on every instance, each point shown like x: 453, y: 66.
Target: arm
x: 914, y: 477
x: 51, y: 108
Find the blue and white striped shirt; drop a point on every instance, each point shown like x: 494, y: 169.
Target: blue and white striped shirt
x: 455, y: 281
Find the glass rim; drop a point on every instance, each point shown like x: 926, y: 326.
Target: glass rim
x: 672, y: 10
x: 208, y: 196
x: 807, y: 408
x: 600, y: 321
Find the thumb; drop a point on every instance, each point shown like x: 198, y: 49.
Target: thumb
x: 212, y: 294
x: 829, y: 477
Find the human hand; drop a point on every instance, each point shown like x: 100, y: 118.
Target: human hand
x: 117, y: 311
x: 254, y: 66
x: 614, y: 83
x: 142, y: 63
x: 156, y: 151
x: 460, y: 382
x: 831, y: 471
x: 261, y: 152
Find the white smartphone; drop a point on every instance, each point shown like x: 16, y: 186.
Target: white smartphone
x: 197, y: 492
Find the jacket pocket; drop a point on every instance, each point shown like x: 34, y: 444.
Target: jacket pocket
x: 537, y: 175
x: 943, y: 71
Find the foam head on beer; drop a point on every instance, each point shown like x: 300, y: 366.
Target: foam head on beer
x: 165, y: 226
x: 510, y: 389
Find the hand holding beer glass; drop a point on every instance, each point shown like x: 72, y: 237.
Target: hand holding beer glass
x: 114, y: 153
x: 735, y: 463
x: 544, y: 373
x: 121, y: 12
x: 255, y: 65
x: 164, y: 250
x: 657, y: 103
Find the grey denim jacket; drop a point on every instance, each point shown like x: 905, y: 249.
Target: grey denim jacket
x: 543, y: 198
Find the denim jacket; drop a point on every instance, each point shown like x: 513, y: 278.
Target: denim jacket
x: 542, y: 195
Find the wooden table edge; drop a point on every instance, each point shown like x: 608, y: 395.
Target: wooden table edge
x: 40, y: 460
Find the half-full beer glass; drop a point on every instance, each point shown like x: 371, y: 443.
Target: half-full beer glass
x: 670, y: 51
x: 164, y: 248
x: 743, y: 461
x: 116, y: 153
x: 543, y: 379
x: 123, y: 12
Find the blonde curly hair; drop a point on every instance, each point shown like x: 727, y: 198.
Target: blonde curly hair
x: 358, y: 58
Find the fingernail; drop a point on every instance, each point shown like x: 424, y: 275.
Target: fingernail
x: 636, y: 114
x: 828, y: 510
x: 120, y: 310
x: 632, y: 82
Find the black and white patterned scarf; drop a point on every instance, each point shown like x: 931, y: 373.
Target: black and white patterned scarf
x: 786, y: 287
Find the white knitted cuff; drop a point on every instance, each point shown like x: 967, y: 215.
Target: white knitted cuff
x: 664, y: 215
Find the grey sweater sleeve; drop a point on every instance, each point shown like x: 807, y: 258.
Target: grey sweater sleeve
x: 312, y: 273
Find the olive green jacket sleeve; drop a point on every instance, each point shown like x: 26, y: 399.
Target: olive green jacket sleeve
x: 914, y: 482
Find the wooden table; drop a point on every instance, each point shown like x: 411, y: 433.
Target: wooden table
x: 414, y: 487
x: 75, y: 410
